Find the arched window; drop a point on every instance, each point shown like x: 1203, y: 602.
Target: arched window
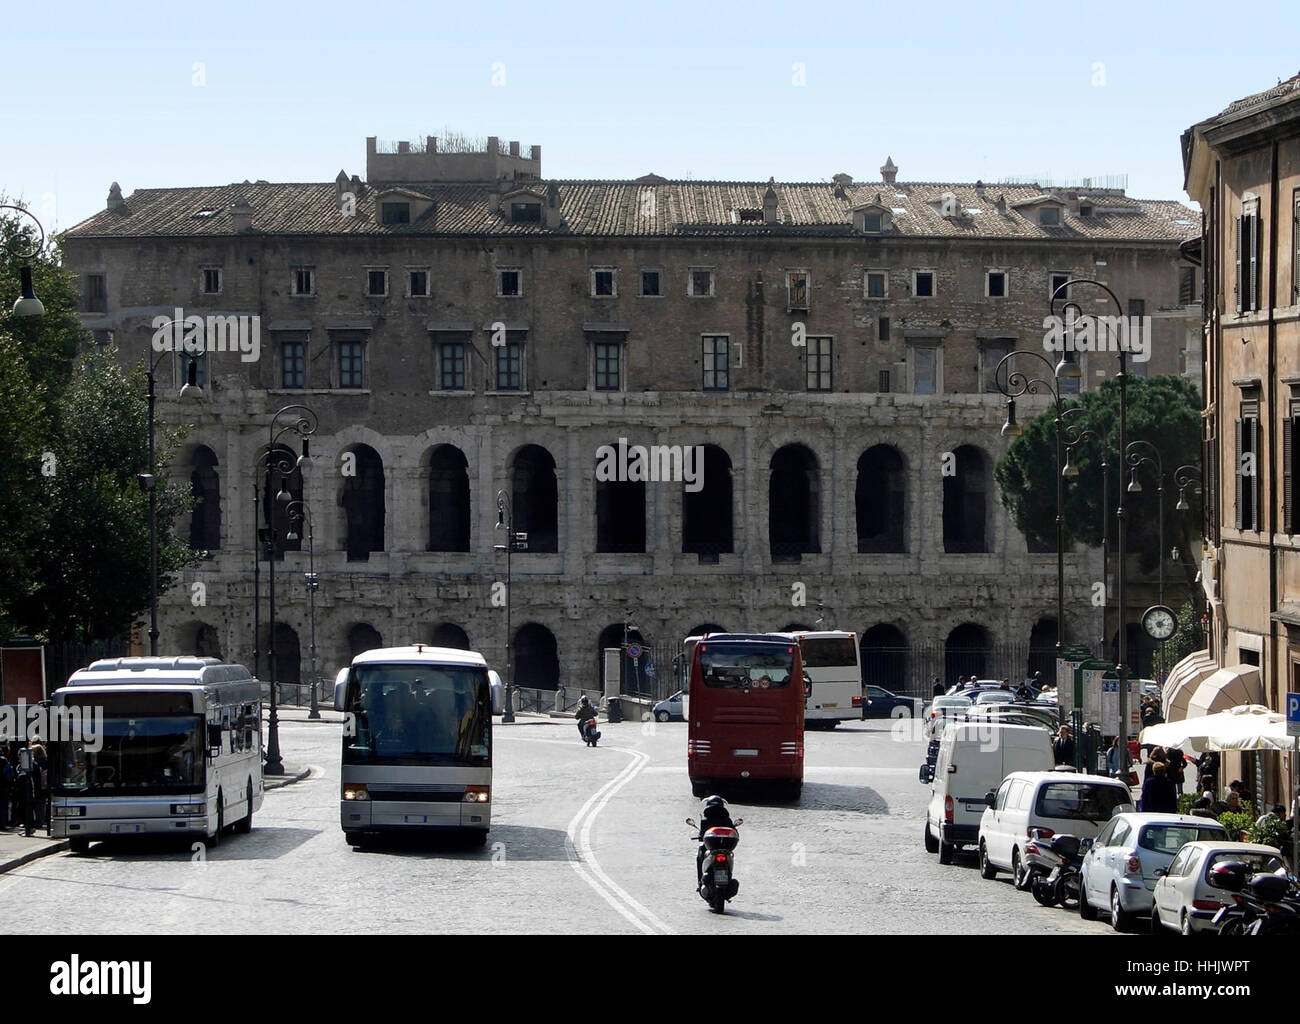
x: 362, y: 500
x: 966, y: 526
x: 449, y: 514
x: 205, y: 485
x: 880, y: 501
x: 794, y: 504
x: 536, y: 497
x: 707, y: 512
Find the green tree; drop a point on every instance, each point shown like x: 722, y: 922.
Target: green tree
x: 1165, y: 411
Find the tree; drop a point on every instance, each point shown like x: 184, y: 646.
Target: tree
x: 1164, y: 410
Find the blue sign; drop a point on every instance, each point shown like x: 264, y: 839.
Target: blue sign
x: 1293, y: 714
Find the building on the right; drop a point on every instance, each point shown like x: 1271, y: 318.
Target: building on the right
x: 1243, y: 167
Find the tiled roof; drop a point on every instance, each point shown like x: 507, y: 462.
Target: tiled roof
x: 626, y: 208
x: 1259, y: 99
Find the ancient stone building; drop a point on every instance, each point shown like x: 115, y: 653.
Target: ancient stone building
x: 462, y: 327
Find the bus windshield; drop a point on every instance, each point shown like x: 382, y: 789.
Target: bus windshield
x: 419, y: 714
x: 139, y: 755
x: 830, y: 652
x: 746, y: 666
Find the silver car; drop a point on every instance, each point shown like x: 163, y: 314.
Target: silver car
x: 669, y: 708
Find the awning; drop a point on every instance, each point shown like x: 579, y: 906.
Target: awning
x: 1182, y: 682
x: 1246, y: 727
x: 1230, y: 687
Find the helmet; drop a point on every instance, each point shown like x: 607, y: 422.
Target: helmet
x: 714, y: 801
x: 584, y: 701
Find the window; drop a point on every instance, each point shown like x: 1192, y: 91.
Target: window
x: 1247, y: 466
x: 525, y: 213
x: 923, y: 283
x: 925, y: 370
x: 1295, y: 247
x: 871, y: 222
x: 1079, y: 801
x: 395, y: 213
x: 883, y: 333
x: 716, y: 350
x: 607, y: 365
x: 96, y: 294
x: 352, y: 364
x: 293, y: 364
x: 604, y: 283
x: 995, y: 284
x: 796, y: 290
x: 1248, y: 257
x: 1049, y: 216
x: 699, y: 282
x: 509, y: 282
x: 1085, y: 210
x: 1290, y: 468
x: 819, y: 364
x: 650, y: 284
x: 211, y: 281
x: 1137, y: 307
x: 1120, y: 836
x: 194, y: 368
x: 882, y: 384
x: 376, y: 283
x: 509, y: 366
x: 1169, y: 839
x: 451, y: 365
x: 417, y: 283
x: 877, y: 284
x: 1056, y: 281
x: 302, y: 281
x: 991, y: 354
x: 1186, y: 285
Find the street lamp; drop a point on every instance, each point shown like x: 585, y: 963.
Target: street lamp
x: 505, y: 521
x: 1073, y: 439
x: 1136, y: 459
x: 292, y: 419
x: 27, y: 303
x: 298, y: 511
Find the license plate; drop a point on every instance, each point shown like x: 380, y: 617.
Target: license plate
x: 830, y: 705
x: 415, y: 819
x: 747, y: 752
x: 126, y: 829
x: 721, y: 876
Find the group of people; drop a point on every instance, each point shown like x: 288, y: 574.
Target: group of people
x: 1028, y: 690
x: 24, y: 785
x: 1163, y: 780
x: 1151, y: 714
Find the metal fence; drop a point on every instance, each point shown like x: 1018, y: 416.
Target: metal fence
x: 61, y: 660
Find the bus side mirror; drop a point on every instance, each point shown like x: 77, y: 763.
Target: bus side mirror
x: 340, y: 691
x: 807, y: 685
x: 214, y: 739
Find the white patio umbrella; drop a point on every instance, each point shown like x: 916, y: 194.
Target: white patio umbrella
x: 1244, y: 727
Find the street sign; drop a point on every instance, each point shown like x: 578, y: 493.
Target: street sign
x: 634, y: 651
x: 1293, y: 714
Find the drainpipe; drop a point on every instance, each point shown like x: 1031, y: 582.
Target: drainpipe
x: 1272, y: 682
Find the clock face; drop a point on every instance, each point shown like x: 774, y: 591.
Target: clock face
x: 1159, y: 622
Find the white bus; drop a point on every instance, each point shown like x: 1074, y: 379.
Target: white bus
x: 832, y: 661
x: 417, y: 742
x: 178, y: 751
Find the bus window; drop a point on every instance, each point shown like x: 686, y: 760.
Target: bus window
x: 427, y: 714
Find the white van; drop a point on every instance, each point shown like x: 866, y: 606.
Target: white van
x: 1056, y: 802
x: 974, y: 757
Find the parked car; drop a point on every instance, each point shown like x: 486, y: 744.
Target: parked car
x: 1051, y: 801
x: 1183, y: 898
x: 877, y: 702
x: 670, y: 708
x: 1017, y: 713
x: 998, y: 696
x: 1119, y: 869
x: 943, y: 711
x: 973, y: 758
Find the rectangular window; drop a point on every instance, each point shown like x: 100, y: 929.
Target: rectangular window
x: 923, y: 284
x: 451, y: 365
x: 603, y: 284
x: 1247, y: 468
x: 1058, y: 281
x: 352, y: 364
x: 1295, y: 248
x: 1290, y: 452
x: 194, y: 368
x: 1186, y: 286
x: 417, y: 283
x: 1248, y: 259
x: 376, y: 283
x: 877, y: 284
x: 509, y: 368
x: 1049, y: 216
x: 302, y: 281
x: 96, y: 294
x: 717, y: 349
x: 925, y: 370
x: 882, y: 382
x: 995, y: 284
x: 884, y: 329
x: 819, y: 364
x: 525, y: 213
x: 293, y: 364
x: 395, y: 213
x: 796, y: 290
x: 871, y: 222
x: 607, y: 365
x: 509, y: 282
x: 1137, y: 307
x: 211, y: 281
x: 650, y: 286
x: 699, y: 283
x: 991, y: 354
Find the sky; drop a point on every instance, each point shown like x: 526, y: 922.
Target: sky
x: 166, y: 94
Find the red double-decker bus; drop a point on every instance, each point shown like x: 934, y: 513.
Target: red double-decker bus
x: 745, y: 711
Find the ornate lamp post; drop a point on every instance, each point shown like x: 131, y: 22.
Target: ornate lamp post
x: 298, y: 511
x: 27, y: 304
x: 1074, y: 438
x: 1136, y: 459
x: 505, y: 521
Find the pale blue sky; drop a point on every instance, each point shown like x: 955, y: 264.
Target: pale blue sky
x: 953, y: 92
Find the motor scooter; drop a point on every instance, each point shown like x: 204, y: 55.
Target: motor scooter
x: 589, y: 732
x: 717, y: 879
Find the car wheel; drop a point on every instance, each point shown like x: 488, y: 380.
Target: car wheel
x: 1185, y: 924
x: 1156, y: 926
x: 1086, y: 910
x: 662, y: 716
x: 1021, y: 876
x: 931, y: 844
x: 987, y: 870
x: 1120, y: 919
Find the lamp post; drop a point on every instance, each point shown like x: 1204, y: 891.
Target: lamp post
x: 299, y: 511
x: 291, y: 419
x: 506, y: 521
x: 1188, y: 478
x: 1136, y: 459
x: 27, y: 303
x: 1075, y: 438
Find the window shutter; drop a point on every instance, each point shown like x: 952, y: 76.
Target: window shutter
x: 1254, y: 263
x: 1257, y: 491
x: 1241, y: 227
x: 1238, y: 520
x: 1288, y: 517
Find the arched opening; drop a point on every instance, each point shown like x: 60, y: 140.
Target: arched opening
x: 633, y: 670
x: 967, y: 652
x: 362, y: 500
x: 205, y: 485
x: 448, y: 634
x: 536, y: 660
x: 535, y: 493
x: 1042, y: 649
x: 202, y: 641
x: 363, y: 637
x: 288, y: 653
x: 279, y: 490
x: 707, y: 512
x: 883, y: 649
x: 794, y: 504
x: 880, y: 501
x: 795, y: 627
x: 965, y: 503
x: 620, y: 516
x: 449, y: 513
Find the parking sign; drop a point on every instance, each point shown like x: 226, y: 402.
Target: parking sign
x: 1293, y: 714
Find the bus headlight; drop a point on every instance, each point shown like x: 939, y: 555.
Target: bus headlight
x: 69, y: 812
x: 189, y: 808
x: 355, y: 791
x: 477, y: 794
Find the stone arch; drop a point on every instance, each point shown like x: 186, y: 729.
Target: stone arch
x: 880, y: 501
x: 794, y: 503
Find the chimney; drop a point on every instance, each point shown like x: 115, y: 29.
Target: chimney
x: 552, y: 195
x: 403, y: 147
x: 553, y: 218
x: 889, y: 171
x: 514, y: 149
x: 115, y: 200
x: 241, y: 216
x: 356, y: 185
x: 979, y: 188
x: 770, y: 215
x: 340, y: 185
x: 1072, y: 203
x: 431, y: 143
x: 494, y: 199
x: 494, y: 144
x: 842, y: 182
x: 1001, y: 205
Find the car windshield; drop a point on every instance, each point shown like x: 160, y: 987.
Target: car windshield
x: 419, y: 714
x: 1255, y: 862
x: 995, y: 697
x: 745, y: 666
x: 1081, y: 801
x: 1170, y: 838
x: 952, y: 702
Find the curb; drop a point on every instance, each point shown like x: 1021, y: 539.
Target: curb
x: 54, y: 847
x: 280, y: 781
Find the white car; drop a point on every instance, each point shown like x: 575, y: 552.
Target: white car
x: 1183, y: 897
x: 998, y: 696
x: 669, y: 708
x: 1119, y: 869
x: 942, y: 711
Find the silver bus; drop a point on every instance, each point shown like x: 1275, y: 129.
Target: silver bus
x: 417, y: 742
x: 176, y: 750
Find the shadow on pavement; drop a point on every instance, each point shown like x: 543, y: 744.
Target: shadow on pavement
x: 816, y: 796
x: 260, y: 844
x: 504, y: 843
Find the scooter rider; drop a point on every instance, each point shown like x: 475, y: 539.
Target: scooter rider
x: 584, y: 714
x: 713, y: 814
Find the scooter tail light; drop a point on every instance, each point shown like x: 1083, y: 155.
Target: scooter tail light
x: 721, y: 858
x: 1043, y: 833
x: 947, y: 808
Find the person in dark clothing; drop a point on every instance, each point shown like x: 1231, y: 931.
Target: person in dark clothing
x: 714, y: 814
x: 1063, y: 747
x: 1177, y: 768
x: 6, y: 785
x: 584, y: 713
x: 1158, y: 793
x: 938, y: 687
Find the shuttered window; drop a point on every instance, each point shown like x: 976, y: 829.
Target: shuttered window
x: 1247, y: 467
x: 1248, y: 297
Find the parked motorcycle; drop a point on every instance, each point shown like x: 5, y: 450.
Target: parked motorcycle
x: 1053, y: 863
x: 1266, y: 904
x: 717, y: 880
x: 589, y: 732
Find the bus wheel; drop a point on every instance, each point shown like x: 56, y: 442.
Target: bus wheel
x: 245, y: 824
x: 215, y: 838
x: 699, y: 789
x: 353, y: 839
x: 478, y: 838
x: 794, y: 790
x: 81, y: 846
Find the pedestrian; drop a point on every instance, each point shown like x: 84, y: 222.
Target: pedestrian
x: 1207, y: 787
x: 40, y: 778
x: 1115, y: 766
x: 6, y: 786
x: 1208, y: 764
x: 1278, y: 812
x: 938, y: 687
x: 1158, y: 795
x: 1177, y: 768
x: 1156, y: 756
x: 1063, y: 747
